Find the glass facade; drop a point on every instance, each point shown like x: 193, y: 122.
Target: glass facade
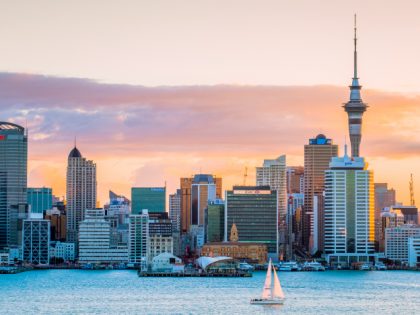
x: 13, y: 179
x: 40, y: 199
x: 215, y: 221
x: 254, y: 211
x: 150, y: 198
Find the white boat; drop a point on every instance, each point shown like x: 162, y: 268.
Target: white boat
x: 270, y: 295
x: 313, y: 266
x: 365, y: 267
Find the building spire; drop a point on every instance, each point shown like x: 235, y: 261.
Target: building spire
x: 355, y: 106
x: 355, y: 47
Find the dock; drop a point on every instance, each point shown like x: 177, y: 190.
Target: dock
x: 193, y: 274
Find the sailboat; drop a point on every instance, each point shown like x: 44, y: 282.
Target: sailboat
x: 271, y: 296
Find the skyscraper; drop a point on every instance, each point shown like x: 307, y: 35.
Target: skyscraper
x: 151, y: 198
x: 317, y: 156
x: 40, y: 199
x: 254, y: 210
x: 81, y: 191
x: 355, y: 106
x: 13, y: 179
x: 187, y: 201
x: 273, y: 174
x: 175, y: 210
x: 349, y: 211
x: 384, y: 198
x: 295, y: 176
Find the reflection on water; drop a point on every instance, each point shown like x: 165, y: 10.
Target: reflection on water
x: 122, y: 292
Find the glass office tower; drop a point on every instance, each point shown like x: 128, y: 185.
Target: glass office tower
x: 13, y: 179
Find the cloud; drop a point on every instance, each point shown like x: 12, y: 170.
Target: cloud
x: 222, y: 127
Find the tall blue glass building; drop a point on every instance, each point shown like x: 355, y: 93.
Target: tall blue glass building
x: 40, y: 199
x: 13, y: 179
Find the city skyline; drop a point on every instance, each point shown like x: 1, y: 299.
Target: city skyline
x: 150, y: 136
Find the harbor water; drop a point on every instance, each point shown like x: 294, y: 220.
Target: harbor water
x: 123, y: 292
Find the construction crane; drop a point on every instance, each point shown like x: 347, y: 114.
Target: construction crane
x: 245, y: 175
x: 412, y: 201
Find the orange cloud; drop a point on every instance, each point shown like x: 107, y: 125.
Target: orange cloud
x: 146, y: 136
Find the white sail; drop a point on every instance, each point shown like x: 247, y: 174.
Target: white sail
x: 277, y: 290
x: 266, y: 294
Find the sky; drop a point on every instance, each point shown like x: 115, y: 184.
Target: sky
x: 157, y: 90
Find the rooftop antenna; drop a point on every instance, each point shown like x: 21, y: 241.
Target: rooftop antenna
x: 355, y: 46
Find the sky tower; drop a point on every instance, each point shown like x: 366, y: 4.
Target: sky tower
x: 355, y: 106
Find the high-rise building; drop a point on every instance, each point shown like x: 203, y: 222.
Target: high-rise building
x: 160, y: 236
x: 295, y: 177
x: 152, y: 199
x: 349, y: 211
x: 95, y: 241
x: 200, y: 195
x: 384, y: 197
x: 396, y: 241
x: 254, y: 210
x: 203, y: 191
x: 40, y: 199
x: 36, y: 240
x: 13, y: 180
x: 390, y: 218
x: 215, y: 221
x: 317, y: 156
x: 58, y: 223
x: 355, y: 106
x: 175, y: 210
x: 139, y: 240
x: 414, y: 251
x: 273, y: 174
x: 81, y: 191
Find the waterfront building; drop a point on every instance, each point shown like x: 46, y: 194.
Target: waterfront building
x: 390, y: 218
x: 40, y: 199
x: 317, y: 157
x: 255, y: 253
x: 295, y: 179
x: 58, y: 223
x: 167, y: 262
x: 95, y: 241
x: 254, y: 210
x: 160, y: 236
x: 204, y: 184
x: 215, y: 221
x: 349, y: 211
x: 414, y: 251
x: 273, y: 174
x: 13, y: 180
x: 384, y: 198
x: 151, y: 198
x: 36, y: 240
x: 81, y: 191
x: 139, y: 241
x: 63, y: 250
x: 175, y: 210
x: 396, y: 241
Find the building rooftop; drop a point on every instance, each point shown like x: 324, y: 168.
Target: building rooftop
x: 75, y: 153
x: 10, y: 126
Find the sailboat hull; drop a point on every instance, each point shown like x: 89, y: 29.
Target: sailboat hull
x: 267, y: 301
